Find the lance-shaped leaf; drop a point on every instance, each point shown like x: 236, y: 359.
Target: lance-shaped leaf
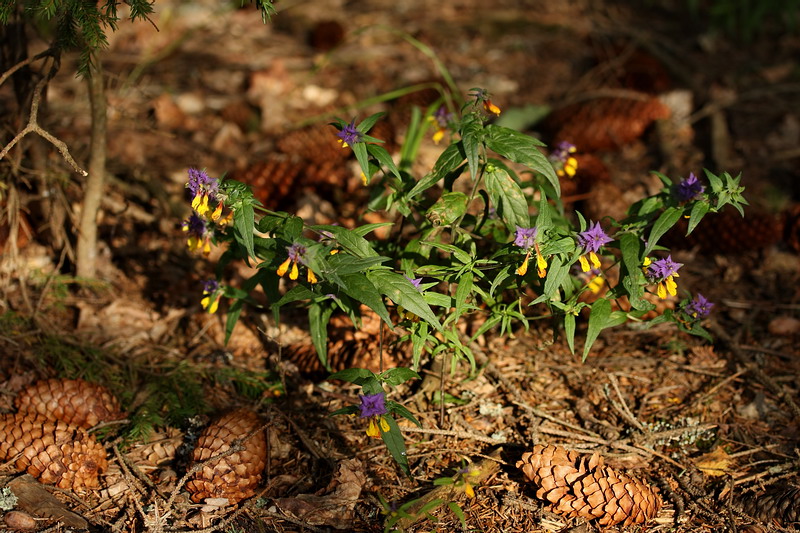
x: 471, y: 133
x: 402, y: 292
x: 507, y: 197
x: 522, y: 149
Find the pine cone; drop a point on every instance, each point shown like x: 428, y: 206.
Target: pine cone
x: 726, y: 231
x: 51, y: 451
x: 578, y: 486
x: 272, y: 180
x: 778, y: 502
x: 605, y: 123
x: 235, y: 476
x: 317, y: 143
x: 73, y: 401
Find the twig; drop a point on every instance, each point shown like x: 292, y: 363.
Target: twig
x: 452, y: 433
x: 8, y: 73
x: 622, y: 407
x: 33, y: 124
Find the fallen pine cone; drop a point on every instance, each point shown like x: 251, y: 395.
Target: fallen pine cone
x: 73, y: 401
x: 54, y: 452
x: 235, y: 476
x: 578, y: 486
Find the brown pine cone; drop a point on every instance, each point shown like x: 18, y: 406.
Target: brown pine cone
x: 578, y: 486
x: 317, y: 143
x: 73, y: 401
x: 777, y: 502
x: 605, y: 123
x: 235, y: 476
x: 52, y: 451
x: 727, y: 231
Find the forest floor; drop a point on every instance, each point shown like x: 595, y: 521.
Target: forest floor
x: 715, y: 426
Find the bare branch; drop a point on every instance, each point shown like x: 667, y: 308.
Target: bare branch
x: 33, y: 124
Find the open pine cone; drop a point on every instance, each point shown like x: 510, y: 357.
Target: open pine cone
x: 73, y: 401
x: 579, y: 486
x: 235, y: 476
x: 52, y: 451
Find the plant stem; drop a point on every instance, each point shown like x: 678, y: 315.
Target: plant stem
x: 87, y: 230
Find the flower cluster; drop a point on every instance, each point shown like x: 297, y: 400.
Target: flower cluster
x: 373, y: 407
x: 441, y: 119
x: 689, y: 189
x: 591, y: 241
x: 525, y: 238
x: 349, y: 135
x: 211, y: 295
x: 296, y: 254
x: 482, y: 96
x: 563, y: 160
x: 699, y: 307
x: 662, y: 272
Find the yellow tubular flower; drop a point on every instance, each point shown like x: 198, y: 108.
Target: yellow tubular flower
x: 372, y: 429
x: 523, y: 268
x: 438, y: 136
x: 283, y: 268
x: 217, y: 212
x: 491, y: 108
x: 294, y: 272
x: 541, y: 265
x: 312, y: 278
x: 468, y: 490
x: 584, y: 264
x: 384, y: 425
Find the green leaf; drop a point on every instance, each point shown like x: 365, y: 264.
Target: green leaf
x: 296, y: 293
x: 383, y: 157
x: 557, y: 273
x: 232, y: 318
x: 544, y: 219
x: 318, y: 317
x: 396, y: 376
x: 522, y: 149
x: 569, y: 331
x: 352, y: 375
x: 463, y: 291
x: 350, y: 241
x: 598, y: 318
x: 402, y: 292
x: 459, y: 513
x: 360, y: 288
x: 243, y: 224
x: 699, y: 210
x: 394, y: 407
x: 507, y: 197
x: 448, y: 208
x: 457, y: 252
x: 365, y: 125
x: 471, y: 130
x: 360, y: 149
x: 632, y: 275
x: 443, y: 481
x: 362, y: 231
x: 663, y: 223
x: 349, y: 410
x: 396, y: 444
x: 448, y: 161
x: 344, y: 263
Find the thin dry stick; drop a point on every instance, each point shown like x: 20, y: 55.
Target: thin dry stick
x: 452, y: 433
x: 622, y: 407
x: 33, y: 125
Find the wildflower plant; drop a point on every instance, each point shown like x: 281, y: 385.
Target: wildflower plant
x: 460, y: 247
